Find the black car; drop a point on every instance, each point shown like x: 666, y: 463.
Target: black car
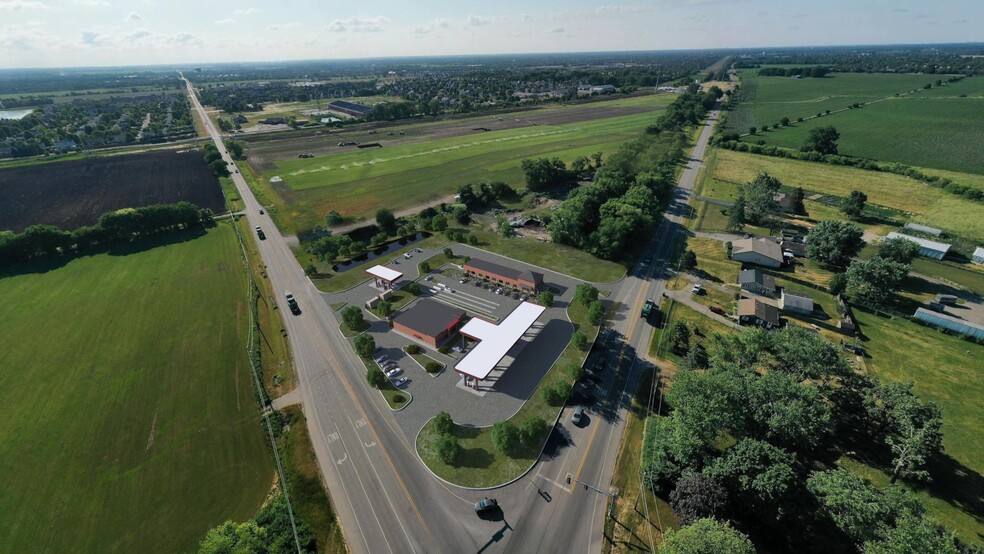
x: 486, y: 504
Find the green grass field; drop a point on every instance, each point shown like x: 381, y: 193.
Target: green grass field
x: 927, y: 204
x: 130, y: 423
x: 944, y: 370
x: 944, y: 133
x: 356, y: 183
x: 766, y: 100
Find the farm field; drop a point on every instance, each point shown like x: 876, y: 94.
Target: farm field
x: 74, y: 193
x: 943, y: 133
x: 766, y: 100
x: 926, y: 204
x: 431, y: 160
x: 144, y: 443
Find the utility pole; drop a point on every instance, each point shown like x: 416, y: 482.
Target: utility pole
x: 612, y: 494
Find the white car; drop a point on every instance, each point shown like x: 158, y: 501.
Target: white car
x: 394, y: 372
x: 697, y: 289
x: 400, y: 383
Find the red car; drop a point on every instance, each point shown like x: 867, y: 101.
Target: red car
x: 717, y: 310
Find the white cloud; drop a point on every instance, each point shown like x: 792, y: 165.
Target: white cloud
x: 557, y: 30
x: 227, y: 21
x: 600, y: 10
x: 21, y: 5
x: 478, y: 21
x: 358, y: 25
x: 437, y: 24
x: 282, y: 26
x: 247, y: 11
x: 133, y: 16
x: 93, y: 3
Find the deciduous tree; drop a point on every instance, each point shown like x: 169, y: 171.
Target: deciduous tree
x: 706, y: 536
x: 834, y: 242
x: 822, y: 140
x: 875, y: 280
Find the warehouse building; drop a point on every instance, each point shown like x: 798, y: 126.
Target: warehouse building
x: 350, y: 108
x: 927, y: 248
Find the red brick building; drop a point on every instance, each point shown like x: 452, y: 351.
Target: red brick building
x: 429, y: 322
x: 524, y: 280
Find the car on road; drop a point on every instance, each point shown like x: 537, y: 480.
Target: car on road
x: 717, y: 310
x: 698, y: 289
x: 261, y: 211
x: 400, y: 383
x: 486, y: 504
x: 259, y: 233
x: 394, y: 372
x: 577, y: 416
x: 292, y: 303
x: 428, y: 278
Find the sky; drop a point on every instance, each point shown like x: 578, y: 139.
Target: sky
x: 70, y: 33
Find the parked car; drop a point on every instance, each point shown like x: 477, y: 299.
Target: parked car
x: 389, y: 364
x: 717, y: 310
x: 428, y: 278
x: 400, y: 383
x: 394, y: 372
x: 697, y: 289
x: 381, y: 358
x: 485, y: 505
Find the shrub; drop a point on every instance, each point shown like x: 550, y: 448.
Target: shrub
x: 365, y: 345
x: 414, y: 349
x: 425, y: 267
x: 556, y: 394
x: 433, y: 367
x: 505, y: 437
x: 443, y: 423
x: 575, y: 372
x: 580, y: 341
x: 448, y: 449
x: 444, y: 349
x: 595, y: 312
x: 448, y: 253
x: 414, y: 289
x: 375, y: 377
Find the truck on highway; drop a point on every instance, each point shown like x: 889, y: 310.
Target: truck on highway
x: 292, y: 303
x: 648, y: 309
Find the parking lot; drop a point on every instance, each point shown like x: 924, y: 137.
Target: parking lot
x: 507, y: 388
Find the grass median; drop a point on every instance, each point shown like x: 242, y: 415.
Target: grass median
x: 479, y: 464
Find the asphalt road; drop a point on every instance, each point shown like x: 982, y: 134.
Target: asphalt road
x: 386, y: 500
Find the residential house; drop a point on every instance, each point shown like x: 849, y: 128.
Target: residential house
x: 762, y: 251
x: 757, y: 282
x: 755, y: 312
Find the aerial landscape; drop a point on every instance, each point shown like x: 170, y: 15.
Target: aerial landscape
x: 681, y: 277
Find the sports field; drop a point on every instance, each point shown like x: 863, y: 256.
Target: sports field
x: 944, y: 133
x: 129, y: 416
x: 432, y: 160
x: 766, y: 100
x: 926, y: 204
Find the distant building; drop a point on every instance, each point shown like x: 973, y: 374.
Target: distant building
x: 798, y: 303
x: 757, y: 282
x: 429, y: 322
x: 530, y: 281
x: 603, y: 89
x: 754, y: 312
x: 762, y: 252
x: 350, y: 108
x: 273, y: 121
x: 924, y: 229
x: 950, y: 323
x: 978, y: 257
x: 928, y: 248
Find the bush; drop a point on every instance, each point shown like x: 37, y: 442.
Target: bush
x: 443, y: 423
x: 580, y: 341
x: 365, y: 345
x: 505, y: 437
x: 595, y: 312
x: 425, y: 267
x: 375, y: 377
x: 556, y: 394
x: 448, y: 449
x: 414, y: 349
x: 399, y: 399
x: 433, y: 367
x: 533, y: 430
x: 414, y: 289
x: 448, y: 253
x: 546, y: 298
x: 444, y: 349
x: 575, y: 372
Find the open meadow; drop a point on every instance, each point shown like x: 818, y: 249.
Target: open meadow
x: 944, y: 133
x: 130, y: 423
x: 922, y: 203
x: 766, y: 100
x: 431, y: 160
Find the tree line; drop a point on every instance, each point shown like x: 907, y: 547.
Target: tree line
x: 755, y: 428
x: 112, y: 228
x: 815, y: 71
x: 606, y: 216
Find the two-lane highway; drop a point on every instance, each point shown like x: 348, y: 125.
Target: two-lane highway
x: 385, y: 499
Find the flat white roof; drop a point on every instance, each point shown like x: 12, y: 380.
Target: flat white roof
x: 384, y: 273
x: 495, y: 341
x: 925, y: 243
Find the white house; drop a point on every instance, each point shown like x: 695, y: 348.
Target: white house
x: 792, y: 302
x: 763, y: 252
